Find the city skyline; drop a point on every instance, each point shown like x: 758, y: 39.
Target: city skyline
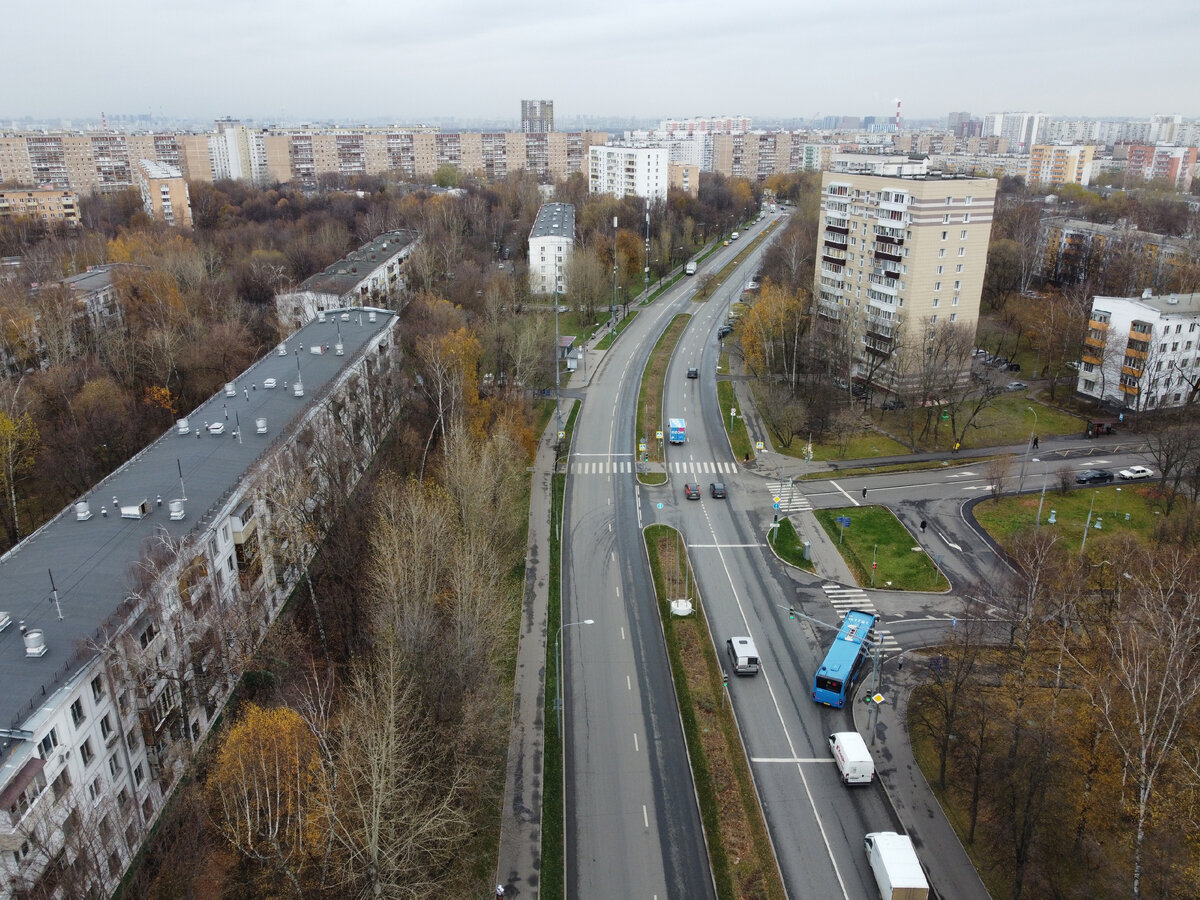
x: 283, y: 62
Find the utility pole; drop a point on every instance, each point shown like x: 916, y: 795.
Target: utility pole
x: 612, y: 310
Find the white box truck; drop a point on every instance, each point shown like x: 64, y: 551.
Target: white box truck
x: 690, y: 268
x: 852, y: 757
x: 897, y: 869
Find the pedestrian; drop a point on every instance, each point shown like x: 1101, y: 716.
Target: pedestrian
x: 1035, y: 442
x: 956, y: 446
x: 922, y: 526
x: 499, y: 890
x: 864, y: 493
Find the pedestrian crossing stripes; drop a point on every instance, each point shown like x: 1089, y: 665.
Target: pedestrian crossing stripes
x: 846, y: 598
x: 617, y: 467
x: 791, y: 498
x: 703, y: 468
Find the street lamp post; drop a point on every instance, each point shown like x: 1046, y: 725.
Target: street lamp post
x: 1037, y: 523
x: 1088, y: 524
x: 1028, y: 446
x: 558, y: 699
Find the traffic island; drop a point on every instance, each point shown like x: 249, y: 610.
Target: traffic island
x: 739, y: 848
x: 879, y: 551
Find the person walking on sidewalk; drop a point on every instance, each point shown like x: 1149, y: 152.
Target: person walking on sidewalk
x: 1035, y: 442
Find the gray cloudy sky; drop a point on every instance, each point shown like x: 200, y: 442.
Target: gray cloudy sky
x: 406, y: 61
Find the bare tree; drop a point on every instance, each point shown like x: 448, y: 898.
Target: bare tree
x: 1142, y: 672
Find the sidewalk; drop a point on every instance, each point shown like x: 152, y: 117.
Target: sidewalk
x: 950, y: 871
x: 520, y: 854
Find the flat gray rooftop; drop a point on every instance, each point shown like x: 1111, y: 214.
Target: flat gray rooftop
x: 92, y: 560
x: 555, y: 220
x: 345, y: 274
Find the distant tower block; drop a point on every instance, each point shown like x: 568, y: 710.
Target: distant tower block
x: 537, y: 116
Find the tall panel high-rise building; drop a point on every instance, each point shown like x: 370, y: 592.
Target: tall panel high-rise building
x: 537, y: 116
x: 902, y: 252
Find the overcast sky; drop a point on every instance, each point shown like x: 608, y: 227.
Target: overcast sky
x: 407, y: 61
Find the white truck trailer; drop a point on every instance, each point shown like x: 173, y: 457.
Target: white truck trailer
x: 897, y: 869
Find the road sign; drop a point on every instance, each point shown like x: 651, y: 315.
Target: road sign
x: 878, y: 698
x: 776, y: 503
x: 641, y: 447
x: 660, y: 506
x: 732, y: 411
x: 561, y: 435
x: 844, y: 521
x: 658, y: 435
x: 758, y: 445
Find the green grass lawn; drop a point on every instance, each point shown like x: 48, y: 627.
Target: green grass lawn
x: 1006, y: 517
x: 787, y: 544
x: 607, y: 340
x: 875, y: 533
x: 739, y: 439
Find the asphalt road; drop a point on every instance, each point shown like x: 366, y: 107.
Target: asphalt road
x: 632, y: 822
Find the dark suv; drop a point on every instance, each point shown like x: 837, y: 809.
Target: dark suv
x: 1094, y: 476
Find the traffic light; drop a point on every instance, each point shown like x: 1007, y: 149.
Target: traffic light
x: 792, y: 613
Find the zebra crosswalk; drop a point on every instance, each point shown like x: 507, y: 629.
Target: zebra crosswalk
x: 703, y: 468
x: 791, y: 498
x: 846, y: 598
x: 607, y: 467
x: 624, y: 466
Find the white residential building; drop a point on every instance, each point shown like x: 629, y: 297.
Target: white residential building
x: 1142, y: 352
x: 550, y: 244
x: 1023, y: 130
x: 626, y: 171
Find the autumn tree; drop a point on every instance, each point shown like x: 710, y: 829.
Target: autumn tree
x: 19, y: 446
x: 773, y: 333
x: 265, y: 786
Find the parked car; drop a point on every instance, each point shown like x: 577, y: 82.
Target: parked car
x: 1013, y: 367
x: 1016, y: 386
x: 717, y: 489
x: 724, y: 331
x: 693, y: 373
x: 1094, y: 476
x: 1135, y: 473
x: 892, y: 403
x: 857, y: 390
x: 692, y: 490
x: 999, y: 362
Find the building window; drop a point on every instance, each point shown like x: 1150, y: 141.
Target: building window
x: 939, y: 270
x: 944, y: 234
x: 97, y: 688
x: 78, y: 716
x: 114, y: 766
x: 49, y: 743
x: 954, y: 302
x: 957, y: 285
x: 937, y: 285
x: 966, y: 219
x: 138, y: 775
x: 962, y: 251
x: 946, y: 219
x: 933, y: 319
x: 95, y: 789
x: 941, y: 252
x: 85, y: 751
x: 936, y: 302
x: 962, y: 235
x: 958, y: 268
x: 953, y: 316
x: 967, y: 200
x: 105, y: 727
x: 949, y: 201
x: 147, y: 636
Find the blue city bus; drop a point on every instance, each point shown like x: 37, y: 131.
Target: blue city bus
x: 836, y: 676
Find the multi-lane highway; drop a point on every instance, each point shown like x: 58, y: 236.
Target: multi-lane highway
x: 633, y: 826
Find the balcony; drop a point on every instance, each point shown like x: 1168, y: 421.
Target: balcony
x: 838, y: 226
x: 893, y: 206
x: 835, y: 243
x: 882, y: 254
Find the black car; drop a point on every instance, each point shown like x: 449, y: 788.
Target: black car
x: 692, y: 490
x: 892, y: 403
x: 693, y: 373
x: 1094, y: 476
x: 717, y: 489
x: 724, y: 330
x: 1013, y: 367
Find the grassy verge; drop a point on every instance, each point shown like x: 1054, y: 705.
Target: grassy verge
x: 876, y: 534
x: 608, y: 339
x: 650, y: 416
x: 735, y: 427
x: 553, y: 884
x: 1004, y: 518
x: 739, y: 849
x: 786, y: 543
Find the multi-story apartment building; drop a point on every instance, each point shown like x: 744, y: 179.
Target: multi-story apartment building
x: 87, y: 163
x: 1162, y: 162
x: 370, y: 276
x: 537, y: 116
x: 1142, y: 352
x: 1075, y: 251
x: 126, y: 617
x: 684, y: 177
x: 47, y: 205
x: 551, y: 242
x: 704, y: 125
x: 901, y: 251
x: 1023, y: 130
x: 1056, y: 164
x: 629, y: 171
x: 164, y: 193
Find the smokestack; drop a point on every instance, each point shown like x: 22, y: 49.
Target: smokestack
x: 897, y: 115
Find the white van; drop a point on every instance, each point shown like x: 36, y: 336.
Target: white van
x: 743, y: 655
x: 690, y: 268
x: 852, y: 757
x: 734, y: 236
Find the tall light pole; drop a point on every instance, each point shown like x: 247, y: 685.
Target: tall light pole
x: 1088, y: 524
x: 558, y: 698
x: 612, y: 310
x: 647, y: 294
x: 1045, y: 468
x: 1025, y: 458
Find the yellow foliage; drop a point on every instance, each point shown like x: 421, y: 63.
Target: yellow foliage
x: 769, y: 328
x: 159, y: 397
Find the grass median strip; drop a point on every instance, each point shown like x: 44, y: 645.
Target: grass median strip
x: 651, y: 417
x: 740, y: 851
x: 875, y: 536
x: 786, y: 543
x: 552, y: 885
x: 735, y: 426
